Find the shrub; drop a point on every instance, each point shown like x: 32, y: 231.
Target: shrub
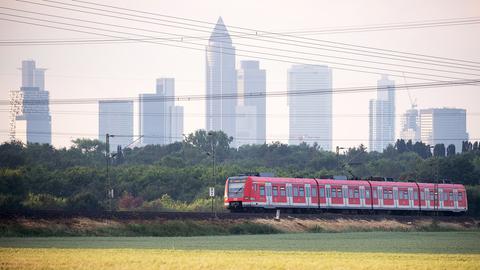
x: 44, y: 201
x: 84, y: 202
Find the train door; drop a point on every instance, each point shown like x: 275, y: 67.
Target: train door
x: 308, y: 197
x: 455, y: 199
x: 268, y: 189
x: 328, y: 199
x: 395, y: 197
x: 362, y: 196
x: 380, y: 196
x: 440, y: 198
x: 410, y: 198
x: 427, y: 198
x: 289, y: 195
x: 345, y: 195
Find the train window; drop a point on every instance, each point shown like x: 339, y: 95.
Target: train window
x: 314, y: 192
x: 445, y: 196
x: 401, y: 195
x: 282, y: 191
x: 262, y: 191
x: 367, y: 194
x: 275, y: 191
x: 301, y: 192
x: 339, y: 193
x: 390, y: 194
x: 460, y: 196
x: 334, y: 193
x: 406, y: 195
x: 415, y: 195
x: 422, y: 195
x: 431, y: 196
x: 374, y: 194
x: 451, y: 196
x: 295, y: 191
x: 350, y: 191
x: 362, y: 193
x: 322, y: 193
x: 355, y: 193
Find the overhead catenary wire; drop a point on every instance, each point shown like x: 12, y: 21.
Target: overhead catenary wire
x: 272, y: 138
x: 318, y: 91
x: 239, y: 115
x: 248, y: 35
x: 249, y: 45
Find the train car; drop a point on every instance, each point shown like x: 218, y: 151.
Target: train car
x: 247, y: 193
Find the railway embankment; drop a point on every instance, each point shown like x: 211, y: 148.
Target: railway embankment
x: 87, y: 226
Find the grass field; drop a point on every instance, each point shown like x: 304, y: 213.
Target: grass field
x: 395, y: 242
x: 362, y: 250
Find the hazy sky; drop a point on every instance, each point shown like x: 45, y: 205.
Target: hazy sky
x: 127, y: 69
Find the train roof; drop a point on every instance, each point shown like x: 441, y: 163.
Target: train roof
x: 346, y: 182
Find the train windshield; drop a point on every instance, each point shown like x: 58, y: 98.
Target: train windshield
x: 235, y: 188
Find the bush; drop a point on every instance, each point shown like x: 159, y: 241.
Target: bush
x: 44, y: 201
x: 473, y: 196
x: 84, y: 202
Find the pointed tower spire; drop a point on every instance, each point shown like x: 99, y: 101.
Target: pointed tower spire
x: 220, y: 32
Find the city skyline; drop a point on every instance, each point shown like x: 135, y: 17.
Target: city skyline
x: 119, y: 75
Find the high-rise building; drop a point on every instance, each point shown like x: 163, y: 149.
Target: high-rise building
x: 220, y: 81
x: 251, y: 106
x: 444, y: 125
x: 30, y: 120
x: 382, y: 116
x: 115, y: 117
x: 160, y: 121
x: 311, y: 114
x: 410, y: 126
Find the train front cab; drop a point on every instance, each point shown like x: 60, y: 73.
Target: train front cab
x: 235, y: 189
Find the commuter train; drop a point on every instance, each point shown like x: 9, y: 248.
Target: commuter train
x: 253, y: 193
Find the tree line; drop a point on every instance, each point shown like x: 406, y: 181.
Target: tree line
x: 41, y: 176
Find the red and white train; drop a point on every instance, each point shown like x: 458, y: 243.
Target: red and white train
x: 243, y: 193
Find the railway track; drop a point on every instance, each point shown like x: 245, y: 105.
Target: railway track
x: 149, y: 215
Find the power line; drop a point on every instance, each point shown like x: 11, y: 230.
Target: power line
x: 226, y: 53
x: 248, y: 51
x: 346, y: 29
x: 255, y: 46
x: 319, y: 91
x: 309, y: 138
x: 199, y: 115
x: 256, y: 31
x: 248, y: 35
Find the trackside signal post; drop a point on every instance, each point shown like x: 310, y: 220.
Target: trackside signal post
x: 212, y: 189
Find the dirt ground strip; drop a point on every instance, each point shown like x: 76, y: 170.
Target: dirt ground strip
x: 288, y: 224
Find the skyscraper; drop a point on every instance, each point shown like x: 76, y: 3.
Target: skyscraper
x: 445, y: 125
x: 382, y: 116
x: 160, y: 121
x: 250, y: 112
x: 220, y: 81
x: 115, y: 117
x: 30, y: 119
x: 410, y: 129
x: 310, y: 115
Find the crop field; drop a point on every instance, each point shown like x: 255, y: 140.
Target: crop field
x: 201, y: 259
x: 362, y: 250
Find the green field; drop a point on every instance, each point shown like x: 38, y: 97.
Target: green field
x: 390, y: 242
